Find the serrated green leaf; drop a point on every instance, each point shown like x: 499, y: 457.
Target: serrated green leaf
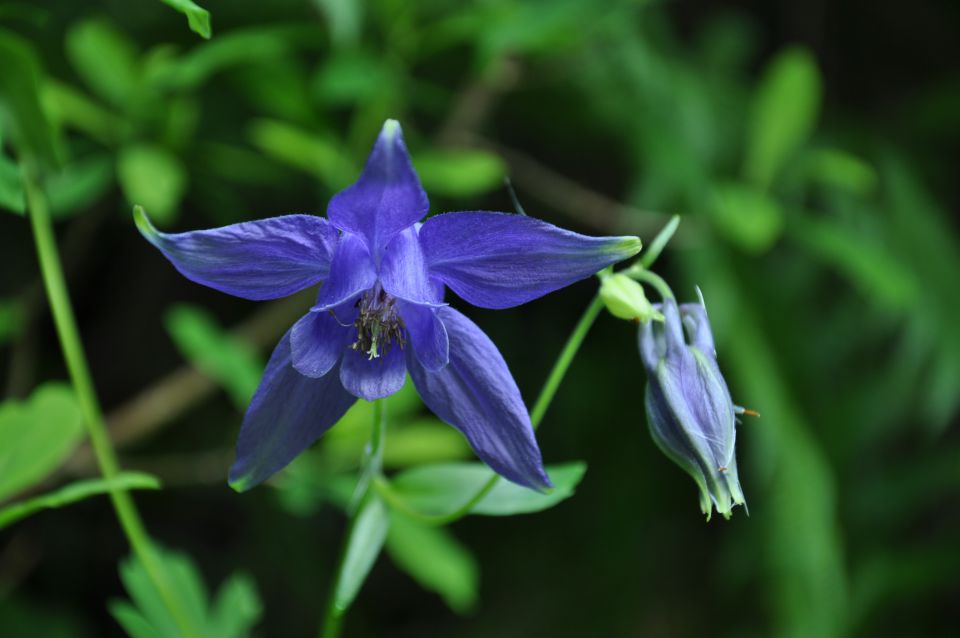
x: 237, y: 607
x: 36, y: 436
x: 460, y: 173
x: 365, y: 542
x: 747, y: 216
x: 152, y: 177
x: 231, y: 361
x: 435, y: 559
x: 784, y: 113
x: 443, y: 488
x: 92, y: 43
x: 74, y: 492
x: 197, y: 17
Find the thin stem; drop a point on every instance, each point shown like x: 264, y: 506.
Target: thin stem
x: 652, y: 278
x: 659, y: 242
x: 73, y: 353
x: 550, y: 387
x: 373, y: 463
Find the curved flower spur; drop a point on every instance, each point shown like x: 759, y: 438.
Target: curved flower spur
x: 380, y: 312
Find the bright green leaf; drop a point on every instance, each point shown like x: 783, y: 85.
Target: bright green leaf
x: 460, y: 173
x: 366, y: 539
x: 310, y: 152
x: 839, y: 169
x: 423, y: 441
x: 36, y: 436
x: 153, y: 178
x: 94, y: 43
x: 435, y: 559
x: 345, y: 18
x: 444, y: 488
x: 231, y: 361
x: 784, y: 114
x: 747, y: 216
x: 197, y: 17
x: 74, y: 492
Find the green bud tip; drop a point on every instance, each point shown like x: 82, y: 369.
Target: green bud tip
x: 625, y: 299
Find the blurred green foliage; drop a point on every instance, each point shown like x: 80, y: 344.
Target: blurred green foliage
x: 815, y: 220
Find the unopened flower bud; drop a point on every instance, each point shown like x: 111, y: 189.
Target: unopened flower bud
x: 624, y: 299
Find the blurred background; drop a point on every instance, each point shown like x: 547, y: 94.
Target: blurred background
x: 811, y: 149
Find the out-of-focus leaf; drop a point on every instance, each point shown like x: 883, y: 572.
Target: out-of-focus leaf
x: 444, y: 488
x: 231, y: 361
x: 460, y: 173
x: 79, y: 184
x: 866, y: 264
x: 312, y: 153
x: 37, y: 435
x: 435, y: 559
x: 41, y: 621
x: 345, y: 18
x: 747, y: 216
x: 236, y: 610
x: 197, y: 17
x: 67, y: 106
x: 20, y: 111
x: 11, y: 319
x: 839, y: 169
x: 105, y: 59
x: 11, y: 186
x: 74, y: 492
x: 153, y: 178
x: 351, y: 77
x: 785, y: 110
x: 366, y: 540
x: 423, y: 441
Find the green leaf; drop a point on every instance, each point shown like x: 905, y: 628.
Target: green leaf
x: 435, y: 559
x: 11, y: 319
x: 784, y: 114
x: 232, y: 362
x: 36, y: 436
x: 443, y: 488
x: 366, y: 539
x: 236, y: 609
x: 460, y: 173
x: 423, y: 441
x: 94, y: 43
x: 351, y: 77
x: 747, y: 216
x: 197, y: 17
x: 839, y: 169
x: 345, y: 19
x: 74, y: 492
x: 312, y: 153
x: 20, y: 110
x: 11, y: 186
x: 78, y: 185
x: 153, y: 178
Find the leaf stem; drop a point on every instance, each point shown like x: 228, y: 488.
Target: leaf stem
x: 333, y: 617
x: 76, y: 361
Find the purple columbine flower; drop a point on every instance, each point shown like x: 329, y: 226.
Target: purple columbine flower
x: 380, y: 312
x: 689, y: 410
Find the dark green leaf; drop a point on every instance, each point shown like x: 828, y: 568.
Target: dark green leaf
x: 78, y: 185
x: 36, y: 436
x: 11, y: 186
x: 747, y: 216
x: 11, y: 319
x: 366, y: 539
x: 74, y: 492
x: 435, y: 559
x: 444, y: 488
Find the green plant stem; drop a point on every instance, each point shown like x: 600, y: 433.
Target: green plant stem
x: 333, y: 617
x: 73, y: 353
x: 385, y: 489
x: 652, y: 278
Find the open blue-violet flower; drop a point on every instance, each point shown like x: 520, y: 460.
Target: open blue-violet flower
x: 689, y: 410
x: 380, y: 312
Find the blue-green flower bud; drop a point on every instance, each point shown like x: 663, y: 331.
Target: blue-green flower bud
x: 689, y: 410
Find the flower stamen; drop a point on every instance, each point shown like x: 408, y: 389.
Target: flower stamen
x: 378, y: 324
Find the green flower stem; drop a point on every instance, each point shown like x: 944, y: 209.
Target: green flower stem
x: 333, y: 617
x: 72, y: 347
x: 659, y: 242
x: 383, y: 486
x: 652, y: 278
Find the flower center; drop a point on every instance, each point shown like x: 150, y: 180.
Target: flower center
x: 379, y: 325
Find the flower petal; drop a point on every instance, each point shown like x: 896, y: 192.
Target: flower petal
x: 388, y: 196
x: 288, y: 412
x: 476, y: 394
x: 498, y: 260
x: 698, y: 328
x: 351, y: 272
x: 263, y: 259
x: 428, y: 336
x: 373, y: 379
x: 403, y: 270
x: 317, y: 342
